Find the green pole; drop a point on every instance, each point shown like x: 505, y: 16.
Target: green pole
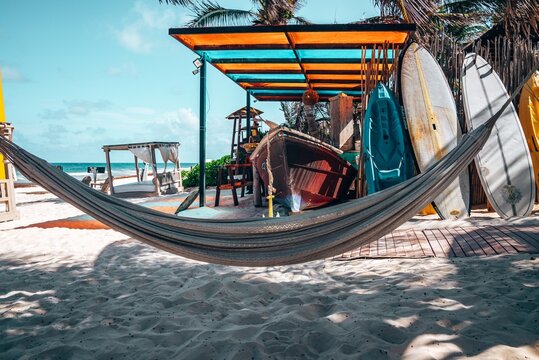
x: 202, y: 135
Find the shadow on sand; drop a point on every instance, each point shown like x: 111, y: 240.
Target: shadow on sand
x: 133, y: 303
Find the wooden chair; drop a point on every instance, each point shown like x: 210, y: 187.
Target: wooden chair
x: 232, y: 177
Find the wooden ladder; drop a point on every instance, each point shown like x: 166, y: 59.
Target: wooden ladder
x: 8, y: 207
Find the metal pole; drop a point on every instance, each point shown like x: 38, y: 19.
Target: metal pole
x: 248, y: 110
x: 202, y: 135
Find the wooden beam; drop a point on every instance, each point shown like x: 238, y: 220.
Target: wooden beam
x: 404, y: 27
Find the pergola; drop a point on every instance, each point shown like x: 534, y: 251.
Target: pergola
x: 148, y: 157
x: 279, y: 63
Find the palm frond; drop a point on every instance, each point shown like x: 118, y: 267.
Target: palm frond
x: 417, y: 11
x: 208, y: 13
x: 517, y: 17
x: 177, y: 2
x: 276, y: 12
x: 299, y: 20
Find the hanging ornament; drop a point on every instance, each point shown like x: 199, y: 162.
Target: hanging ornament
x: 310, y: 97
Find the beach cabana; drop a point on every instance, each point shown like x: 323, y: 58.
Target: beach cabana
x: 280, y: 63
x: 165, y: 182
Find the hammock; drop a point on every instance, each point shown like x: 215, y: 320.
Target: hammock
x: 261, y: 242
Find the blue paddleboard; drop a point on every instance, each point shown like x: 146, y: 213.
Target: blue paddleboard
x: 388, y: 157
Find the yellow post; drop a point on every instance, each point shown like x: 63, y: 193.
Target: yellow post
x: 270, y: 205
x: 2, y: 119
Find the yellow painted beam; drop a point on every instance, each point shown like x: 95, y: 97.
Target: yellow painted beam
x: 2, y: 119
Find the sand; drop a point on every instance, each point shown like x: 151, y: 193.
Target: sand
x: 67, y: 293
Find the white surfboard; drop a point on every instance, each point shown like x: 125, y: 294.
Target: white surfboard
x: 504, y: 164
x: 431, y: 115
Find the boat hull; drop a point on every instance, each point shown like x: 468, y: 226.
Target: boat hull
x: 306, y: 173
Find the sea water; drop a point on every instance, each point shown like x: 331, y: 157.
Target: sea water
x: 80, y: 170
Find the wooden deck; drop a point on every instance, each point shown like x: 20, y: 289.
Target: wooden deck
x: 451, y: 242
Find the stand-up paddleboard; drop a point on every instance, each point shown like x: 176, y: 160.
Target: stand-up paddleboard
x: 433, y: 125
x: 528, y: 113
x: 504, y: 164
x: 388, y: 159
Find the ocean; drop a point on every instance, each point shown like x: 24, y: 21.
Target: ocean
x: 80, y: 170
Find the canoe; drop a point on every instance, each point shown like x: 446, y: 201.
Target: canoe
x: 388, y: 158
x: 504, y: 164
x: 431, y: 115
x: 307, y: 173
x: 529, y: 119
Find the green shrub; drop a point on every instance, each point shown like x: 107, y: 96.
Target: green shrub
x: 190, y: 177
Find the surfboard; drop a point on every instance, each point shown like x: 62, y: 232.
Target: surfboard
x: 504, y: 164
x: 431, y: 115
x: 528, y: 112
x: 2, y: 119
x: 388, y: 159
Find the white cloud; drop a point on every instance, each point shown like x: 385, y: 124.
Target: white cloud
x: 12, y: 74
x: 131, y: 39
x: 143, y: 22
x: 73, y: 108
x: 123, y: 70
x: 94, y: 123
x: 156, y: 19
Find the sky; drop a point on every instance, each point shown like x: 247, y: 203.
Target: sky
x: 81, y: 74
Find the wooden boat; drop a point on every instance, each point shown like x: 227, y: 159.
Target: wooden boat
x: 504, y: 164
x: 388, y: 158
x: 529, y: 119
x: 307, y: 173
x: 431, y: 115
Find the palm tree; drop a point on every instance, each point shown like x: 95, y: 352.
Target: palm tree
x: 265, y: 12
x: 465, y: 19
x: 514, y: 17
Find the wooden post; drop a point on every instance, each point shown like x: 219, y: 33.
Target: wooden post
x: 154, y: 167
x: 248, y: 115
x: 257, y: 196
x: 109, y: 171
x: 136, y: 168
x: 239, y: 139
x: 7, y: 192
x: 233, y: 137
x: 342, y: 122
x: 179, y: 169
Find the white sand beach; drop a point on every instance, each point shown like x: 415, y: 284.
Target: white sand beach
x: 85, y: 294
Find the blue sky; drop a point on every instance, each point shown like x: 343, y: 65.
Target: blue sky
x: 80, y: 74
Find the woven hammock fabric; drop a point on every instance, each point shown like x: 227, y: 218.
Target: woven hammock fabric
x: 310, y: 236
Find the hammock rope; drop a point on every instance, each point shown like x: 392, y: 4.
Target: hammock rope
x: 310, y: 236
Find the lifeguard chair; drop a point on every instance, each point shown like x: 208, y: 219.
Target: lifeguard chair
x: 239, y: 173
x: 239, y: 132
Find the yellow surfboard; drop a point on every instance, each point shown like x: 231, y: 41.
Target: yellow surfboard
x: 529, y: 119
x: 2, y: 119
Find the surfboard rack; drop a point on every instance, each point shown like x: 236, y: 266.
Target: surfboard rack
x: 8, y: 207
